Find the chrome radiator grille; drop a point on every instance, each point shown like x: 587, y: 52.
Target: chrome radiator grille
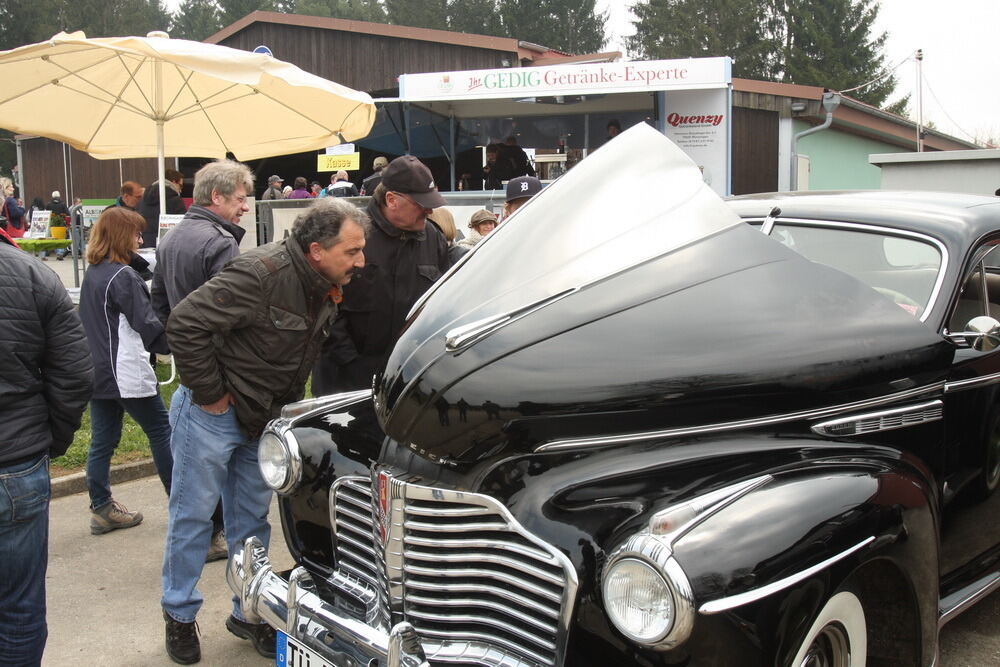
x: 478, y: 588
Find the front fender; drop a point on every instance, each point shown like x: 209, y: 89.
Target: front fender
x: 789, y: 544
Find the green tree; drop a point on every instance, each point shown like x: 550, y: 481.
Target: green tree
x: 747, y: 30
x: 478, y: 17
x: 26, y: 22
x: 418, y: 13
x: 825, y: 43
x: 573, y: 26
x: 195, y: 20
x: 231, y: 11
x: 358, y: 10
x: 830, y: 43
x: 112, y: 18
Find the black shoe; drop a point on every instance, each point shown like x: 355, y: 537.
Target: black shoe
x: 183, y: 646
x: 261, y: 634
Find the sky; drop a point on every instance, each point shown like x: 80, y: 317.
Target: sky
x: 960, y: 94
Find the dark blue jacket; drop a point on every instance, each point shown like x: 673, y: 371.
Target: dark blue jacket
x: 121, y: 329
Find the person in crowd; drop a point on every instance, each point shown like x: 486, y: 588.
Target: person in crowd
x: 301, y: 190
x: 371, y: 182
x: 614, y: 129
x: 315, y: 189
x: 340, y: 186
x: 131, y: 195
x: 519, y: 191
x: 518, y: 158
x: 36, y: 205
x: 406, y: 256
x: 46, y: 384
x: 13, y: 211
x: 445, y: 222
x: 149, y: 205
x: 56, y: 204
x: 481, y: 223
x: 274, y: 188
x: 239, y: 364
x: 286, y: 192
x: 497, y: 168
x: 196, y: 249
x: 122, y: 330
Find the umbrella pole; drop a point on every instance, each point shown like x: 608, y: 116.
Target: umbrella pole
x: 161, y: 179
x: 158, y: 100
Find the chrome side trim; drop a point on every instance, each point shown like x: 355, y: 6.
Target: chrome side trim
x: 884, y: 420
x: 961, y: 600
x: 725, y: 604
x: 676, y: 521
x: 296, y: 412
x: 722, y: 427
x: 465, y: 336
x: 972, y: 383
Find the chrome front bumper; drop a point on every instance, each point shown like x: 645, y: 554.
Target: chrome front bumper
x: 293, y: 607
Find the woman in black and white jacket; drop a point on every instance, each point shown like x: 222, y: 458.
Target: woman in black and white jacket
x: 122, y: 330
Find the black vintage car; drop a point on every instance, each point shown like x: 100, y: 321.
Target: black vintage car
x: 640, y: 425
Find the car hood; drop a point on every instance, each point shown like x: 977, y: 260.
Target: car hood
x: 625, y: 297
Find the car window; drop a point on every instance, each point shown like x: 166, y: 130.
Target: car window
x: 901, y: 268
x: 980, y: 293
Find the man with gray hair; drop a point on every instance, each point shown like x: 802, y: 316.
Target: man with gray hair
x: 195, y: 250
x: 244, y: 343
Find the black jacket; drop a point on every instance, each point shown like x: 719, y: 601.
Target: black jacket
x: 399, y: 267
x: 46, y: 377
x: 149, y: 208
x: 253, y: 331
x: 57, y: 206
x: 371, y: 182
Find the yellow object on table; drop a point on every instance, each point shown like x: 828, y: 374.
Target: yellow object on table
x: 57, y: 232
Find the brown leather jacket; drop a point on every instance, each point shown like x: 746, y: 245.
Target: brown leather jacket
x: 254, y: 331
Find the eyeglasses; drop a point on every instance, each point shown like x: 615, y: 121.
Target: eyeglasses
x: 400, y: 194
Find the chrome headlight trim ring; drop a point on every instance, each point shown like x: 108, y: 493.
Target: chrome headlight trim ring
x: 655, y: 551
x: 281, y: 429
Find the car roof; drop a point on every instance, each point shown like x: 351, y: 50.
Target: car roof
x: 955, y: 218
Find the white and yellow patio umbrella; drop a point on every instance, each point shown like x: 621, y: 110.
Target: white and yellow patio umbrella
x: 153, y: 96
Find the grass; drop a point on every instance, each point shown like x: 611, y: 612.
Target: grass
x: 134, y: 446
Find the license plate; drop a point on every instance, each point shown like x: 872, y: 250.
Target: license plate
x: 290, y: 653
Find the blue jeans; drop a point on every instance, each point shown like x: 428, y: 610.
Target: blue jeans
x: 106, y: 431
x: 212, y: 458
x: 24, y: 557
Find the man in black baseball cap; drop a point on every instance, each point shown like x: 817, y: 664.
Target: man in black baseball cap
x: 519, y: 191
x: 403, y: 257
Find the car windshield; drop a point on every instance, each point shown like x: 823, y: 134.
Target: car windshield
x: 901, y: 268
x: 636, y: 198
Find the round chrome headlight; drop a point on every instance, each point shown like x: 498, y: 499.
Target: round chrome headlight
x: 275, y: 461
x: 638, y: 600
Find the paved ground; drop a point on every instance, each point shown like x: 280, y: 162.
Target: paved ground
x: 104, y: 594
x: 104, y: 591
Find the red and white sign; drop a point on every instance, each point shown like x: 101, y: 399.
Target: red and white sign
x: 585, y: 79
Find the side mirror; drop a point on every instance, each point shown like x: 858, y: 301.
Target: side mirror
x: 982, y: 333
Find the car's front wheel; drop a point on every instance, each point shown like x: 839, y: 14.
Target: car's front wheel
x: 838, y: 637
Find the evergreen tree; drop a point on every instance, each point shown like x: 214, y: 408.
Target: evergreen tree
x: 195, y: 20
x: 744, y: 29
x: 358, y: 10
x: 812, y: 42
x: 567, y: 25
x: 478, y: 17
x: 418, y: 13
x: 830, y: 44
x: 231, y: 11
